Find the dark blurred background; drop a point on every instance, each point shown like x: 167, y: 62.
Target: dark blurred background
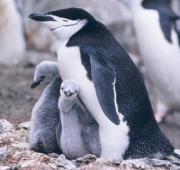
x: 24, y: 44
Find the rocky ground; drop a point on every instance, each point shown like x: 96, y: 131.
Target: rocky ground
x: 17, y: 100
x: 16, y: 96
x: 16, y: 155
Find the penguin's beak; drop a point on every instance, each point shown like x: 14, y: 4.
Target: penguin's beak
x: 41, y: 17
x: 35, y: 84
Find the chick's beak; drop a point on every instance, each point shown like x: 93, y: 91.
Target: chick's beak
x: 68, y: 93
x: 35, y: 84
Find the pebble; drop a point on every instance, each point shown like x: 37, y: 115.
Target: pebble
x: 25, y: 125
x: 63, y: 162
x: 5, y: 126
x: 3, y: 153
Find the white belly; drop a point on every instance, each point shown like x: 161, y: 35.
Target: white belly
x: 70, y: 67
x: 114, y: 139
x: 71, y: 140
x: 161, y: 58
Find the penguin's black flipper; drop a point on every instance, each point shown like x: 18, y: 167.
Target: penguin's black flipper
x: 177, y: 28
x: 103, y: 77
x: 169, y: 22
x: 166, y: 26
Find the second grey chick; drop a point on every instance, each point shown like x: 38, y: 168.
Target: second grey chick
x: 80, y: 132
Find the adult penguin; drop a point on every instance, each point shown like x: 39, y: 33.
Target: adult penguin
x: 110, y: 85
x: 158, y: 38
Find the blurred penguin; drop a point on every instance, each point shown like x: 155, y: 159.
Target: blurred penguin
x: 12, y: 43
x: 158, y: 39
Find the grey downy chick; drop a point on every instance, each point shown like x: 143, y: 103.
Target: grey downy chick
x: 80, y: 133
x: 45, y: 113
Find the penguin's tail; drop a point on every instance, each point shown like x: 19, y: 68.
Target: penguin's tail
x: 174, y: 157
x: 176, y: 153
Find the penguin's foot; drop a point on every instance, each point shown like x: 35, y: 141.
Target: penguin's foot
x: 160, y: 116
x: 161, y: 111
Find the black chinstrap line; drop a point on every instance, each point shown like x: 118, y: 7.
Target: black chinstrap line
x: 64, y: 26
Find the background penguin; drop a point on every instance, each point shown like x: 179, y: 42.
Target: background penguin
x: 45, y: 114
x: 158, y: 38
x: 78, y: 133
x: 110, y: 85
x: 12, y: 43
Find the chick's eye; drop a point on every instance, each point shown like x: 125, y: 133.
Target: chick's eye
x: 76, y: 91
x: 42, y: 77
x: 62, y: 88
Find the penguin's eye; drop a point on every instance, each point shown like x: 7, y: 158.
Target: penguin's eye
x: 62, y: 88
x: 42, y: 77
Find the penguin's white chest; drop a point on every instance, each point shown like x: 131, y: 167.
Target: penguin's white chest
x: 113, y: 138
x: 71, y: 67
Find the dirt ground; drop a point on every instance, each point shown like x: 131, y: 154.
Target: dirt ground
x: 16, y: 96
x: 17, y: 100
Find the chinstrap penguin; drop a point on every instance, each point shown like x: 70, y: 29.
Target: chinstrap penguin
x: 45, y: 113
x: 111, y: 87
x: 78, y: 133
x: 158, y: 39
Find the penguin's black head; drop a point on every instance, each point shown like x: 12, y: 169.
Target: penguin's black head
x: 146, y: 3
x: 64, y: 23
x: 72, y: 14
x: 153, y: 4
